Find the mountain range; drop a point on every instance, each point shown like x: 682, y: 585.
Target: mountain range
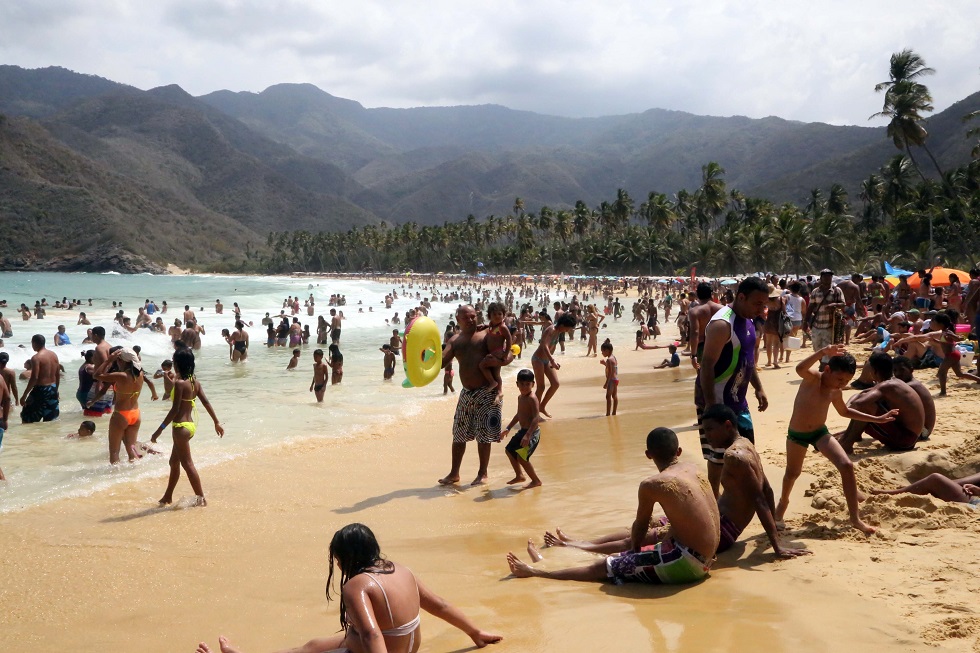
x: 163, y: 176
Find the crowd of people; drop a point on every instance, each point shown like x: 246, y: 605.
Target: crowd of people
x: 722, y: 329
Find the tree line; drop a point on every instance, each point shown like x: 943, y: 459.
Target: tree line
x: 719, y: 230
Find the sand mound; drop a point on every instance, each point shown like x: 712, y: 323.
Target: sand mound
x: 913, y: 512
x: 950, y: 628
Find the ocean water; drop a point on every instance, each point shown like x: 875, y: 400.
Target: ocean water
x: 259, y: 403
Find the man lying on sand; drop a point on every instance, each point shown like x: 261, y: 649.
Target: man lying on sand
x: 685, y: 551
x: 745, y: 493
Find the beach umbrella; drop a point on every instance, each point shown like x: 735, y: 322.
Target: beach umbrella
x: 940, y: 277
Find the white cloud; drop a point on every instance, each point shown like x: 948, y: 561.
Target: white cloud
x: 802, y: 61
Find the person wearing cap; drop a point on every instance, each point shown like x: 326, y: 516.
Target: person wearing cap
x: 124, y: 371
x: 825, y: 300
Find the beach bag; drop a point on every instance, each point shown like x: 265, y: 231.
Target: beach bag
x: 785, y: 325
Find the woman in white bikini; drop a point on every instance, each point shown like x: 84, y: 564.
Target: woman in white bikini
x: 375, y: 595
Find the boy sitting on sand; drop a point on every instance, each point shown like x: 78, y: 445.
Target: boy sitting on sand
x: 687, y: 549
x: 673, y: 361
x: 808, y: 426
x: 522, y: 445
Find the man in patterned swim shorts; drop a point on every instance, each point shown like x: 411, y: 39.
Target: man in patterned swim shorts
x: 687, y: 549
x: 478, y: 413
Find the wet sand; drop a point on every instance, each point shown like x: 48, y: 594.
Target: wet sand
x: 113, y: 573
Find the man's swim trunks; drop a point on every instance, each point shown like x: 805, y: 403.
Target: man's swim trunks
x: 103, y: 406
x: 477, y: 416
x: 716, y: 455
x: 515, y: 447
x: 893, y: 435
x: 729, y: 534
x: 668, y: 563
x: 809, y: 438
x: 42, y: 405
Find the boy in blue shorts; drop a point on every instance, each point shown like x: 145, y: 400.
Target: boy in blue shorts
x: 523, y: 444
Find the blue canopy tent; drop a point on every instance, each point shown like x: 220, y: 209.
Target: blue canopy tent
x: 896, y: 272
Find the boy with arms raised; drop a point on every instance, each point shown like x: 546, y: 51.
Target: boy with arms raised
x: 522, y: 445
x: 808, y: 426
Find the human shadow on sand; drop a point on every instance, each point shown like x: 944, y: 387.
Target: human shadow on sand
x: 431, y: 492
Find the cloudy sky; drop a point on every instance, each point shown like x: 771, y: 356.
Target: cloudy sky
x: 811, y: 61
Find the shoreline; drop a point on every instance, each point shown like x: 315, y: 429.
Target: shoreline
x: 253, y: 564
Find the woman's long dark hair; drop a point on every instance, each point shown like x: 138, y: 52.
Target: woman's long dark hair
x: 184, y: 363
x: 354, y: 549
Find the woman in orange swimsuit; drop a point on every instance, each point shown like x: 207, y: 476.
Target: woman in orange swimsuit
x: 122, y: 369
x: 376, y: 595
x: 187, y: 390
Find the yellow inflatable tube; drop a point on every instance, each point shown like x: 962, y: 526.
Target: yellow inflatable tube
x: 423, y: 352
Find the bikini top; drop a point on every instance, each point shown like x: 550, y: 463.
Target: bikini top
x: 400, y: 631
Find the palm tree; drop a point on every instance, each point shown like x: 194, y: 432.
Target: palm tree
x: 898, y: 188
x: 710, y: 199
x: 837, y: 201
x: 906, y: 99
x: 622, y: 209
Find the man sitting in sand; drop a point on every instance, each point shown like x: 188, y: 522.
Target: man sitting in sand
x: 902, y: 368
x: 887, y: 394
x: 745, y: 493
x: 685, y: 551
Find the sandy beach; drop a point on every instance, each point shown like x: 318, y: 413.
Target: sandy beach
x: 111, y: 572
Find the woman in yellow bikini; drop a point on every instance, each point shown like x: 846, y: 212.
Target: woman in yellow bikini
x: 122, y: 369
x: 187, y: 391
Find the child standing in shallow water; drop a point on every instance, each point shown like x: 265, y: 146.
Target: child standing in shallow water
x: 187, y: 391
x: 808, y: 426
x: 611, y: 386
x: 522, y: 445
x: 320, y: 372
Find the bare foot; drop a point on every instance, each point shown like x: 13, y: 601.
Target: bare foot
x: 780, y: 525
x: 544, y: 412
x: 223, y: 643
x: 518, y: 568
x: 775, y: 366
x: 875, y: 490
x: 561, y: 535
x: 481, y: 479
x: 516, y: 479
x: 861, y: 526
x: 532, y: 484
x: 200, y: 501
x: 166, y: 501
x: 449, y: 480
x: 533, y: 552
x: 553, y: 540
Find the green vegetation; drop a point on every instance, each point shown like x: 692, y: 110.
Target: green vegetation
x: 721, y: 231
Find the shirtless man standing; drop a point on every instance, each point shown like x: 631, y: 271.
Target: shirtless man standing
x: 5, y: 399
x: 189, y: 314
x: 219, y: 308
x: 40, y: 398
x: 746, y: 493
x: 698, y: 316
x: 6, y: 331
x: 684, y: 551
x: 887, y: 394
x: 190, y: 336
x: 478, y: 413
x: 854, y: 303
